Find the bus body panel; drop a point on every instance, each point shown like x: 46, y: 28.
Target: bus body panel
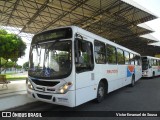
x: 85, y: 84
x: 116, y: 76
x: 138, y: 72
x: 67, y: 99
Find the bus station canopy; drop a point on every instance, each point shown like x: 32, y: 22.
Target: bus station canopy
x: 112, y: 19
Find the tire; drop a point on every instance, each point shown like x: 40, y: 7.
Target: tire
x: 153, y: 75
x: 101, y: 92
x: 133, y: 81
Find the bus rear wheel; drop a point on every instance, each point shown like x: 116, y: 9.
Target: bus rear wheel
x: 101, y: 92
x: 132, y: 81
x: 153, y: 74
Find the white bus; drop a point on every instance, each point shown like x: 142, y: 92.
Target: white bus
x: 70, y: 66
x: 150, y: 66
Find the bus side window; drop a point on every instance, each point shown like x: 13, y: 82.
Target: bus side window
x: 100, y: 53
x: 150, y: 63
x: 85, y: 52
x: 137, y: 60
x: 126, y: 55
x: 131, y: 59
x: 156, y: 62
x: 120, y: 56
x: 111, y: 54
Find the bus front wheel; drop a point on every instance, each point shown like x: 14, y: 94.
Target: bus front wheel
x: 101, y: 92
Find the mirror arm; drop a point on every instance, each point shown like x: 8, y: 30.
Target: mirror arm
x: 76, y: 50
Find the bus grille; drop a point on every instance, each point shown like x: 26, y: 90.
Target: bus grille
x: 45, y: 83
x: 44, y: 96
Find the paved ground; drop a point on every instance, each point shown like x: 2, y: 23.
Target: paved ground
x: 145, y: 96
x: 13, y: 86
x: 14, y: 95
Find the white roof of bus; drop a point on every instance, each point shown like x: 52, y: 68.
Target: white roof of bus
x: 96, y: 37
x: 152, y: 57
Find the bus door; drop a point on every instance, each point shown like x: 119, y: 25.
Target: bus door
x: 84, y: 71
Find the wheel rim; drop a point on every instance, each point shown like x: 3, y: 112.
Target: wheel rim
x: 133, y: 82
x: 101, y: 92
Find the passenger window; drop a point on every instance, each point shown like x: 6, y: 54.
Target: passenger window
x: 120, y: 56
x: 100, y: 53
x: 84, y: 55
x: 157, y: 62
x: 154, y: 62
x: 137, y: 60
x: 131, y: 59
x: 126, y: 54
x: 111, y: 54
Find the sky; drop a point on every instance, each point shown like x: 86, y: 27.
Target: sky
x: 150, y: 5
x: 153, y: 6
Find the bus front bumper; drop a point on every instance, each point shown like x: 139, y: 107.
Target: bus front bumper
x: 145, y: 74
x: 67, y: 99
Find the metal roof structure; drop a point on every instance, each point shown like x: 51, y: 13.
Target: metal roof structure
x: 112, y: 19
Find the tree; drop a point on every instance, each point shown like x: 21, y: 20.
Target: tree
x: 26, y: 65
x: 9, y: 64
x: 11, y: 47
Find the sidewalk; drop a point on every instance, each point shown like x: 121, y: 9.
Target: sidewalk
x: 15, y: 95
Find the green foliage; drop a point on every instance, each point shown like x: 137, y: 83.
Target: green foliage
x: 9, y: 64
x: 111, y: 54
x: 11, y: 47
x: 6, y: 64
x: 86, y: 57
x: 18, y: 66
x: 120, y: 57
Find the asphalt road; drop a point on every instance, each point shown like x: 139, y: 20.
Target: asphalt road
x: 144, y: 96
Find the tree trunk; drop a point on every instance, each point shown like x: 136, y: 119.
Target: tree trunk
x: 0, y: 65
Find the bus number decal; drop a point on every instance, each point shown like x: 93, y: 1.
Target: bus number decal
x: 112, y: 71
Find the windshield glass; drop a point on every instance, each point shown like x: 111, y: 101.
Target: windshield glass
x: 144, y: 63
x: 50, y: 60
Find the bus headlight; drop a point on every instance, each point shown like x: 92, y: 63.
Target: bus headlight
x: 29, y: 85
x: 63, y: 89
x: 145, y: 72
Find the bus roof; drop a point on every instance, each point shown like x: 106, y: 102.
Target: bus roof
x: 151, y: 57
x: 97, y: 37
x: 94, y: 36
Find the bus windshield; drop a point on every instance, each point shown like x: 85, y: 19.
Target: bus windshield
x: 50, y: 60
x: 145, y: 63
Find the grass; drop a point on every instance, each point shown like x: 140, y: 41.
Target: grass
x: 8, y: 74
x: 16, y: 78
x: 13, y: 76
